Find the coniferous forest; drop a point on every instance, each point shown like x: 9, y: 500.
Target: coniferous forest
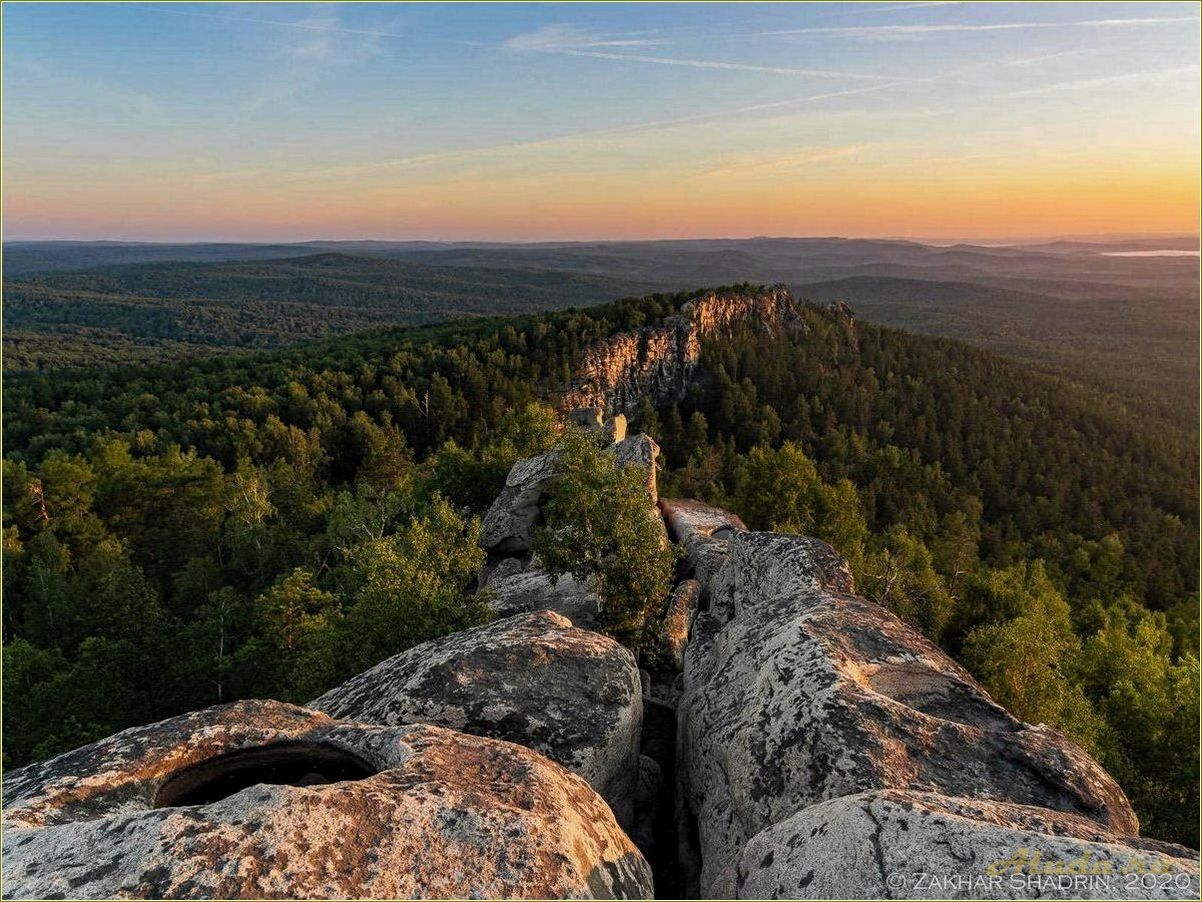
x: 270, y: 523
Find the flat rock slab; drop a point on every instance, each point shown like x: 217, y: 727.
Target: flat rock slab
x: 433, y: 814
x: 807, y: 694
x: 913, y: 845
x: 692, y: 520
x: 534, y: 679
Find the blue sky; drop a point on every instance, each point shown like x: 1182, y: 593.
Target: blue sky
x: 291, y: 121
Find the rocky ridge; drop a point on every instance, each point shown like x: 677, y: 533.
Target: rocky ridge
x: 658, y: 362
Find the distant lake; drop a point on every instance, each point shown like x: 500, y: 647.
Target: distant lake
x: 1149, y: 253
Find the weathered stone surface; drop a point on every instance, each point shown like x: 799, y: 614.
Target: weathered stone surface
x: 704, y: 533
x: 656, y: 363
x: 807, y: 694
x: 615, y: 428
x: 521, y: 590
x: 440, y: 814
x: 642, y: 451
x: 674, y: 633
x: 589, y: 418
x: 849, y: 848
x: 508, y: 527
x: 769, y: 565
x: 534, y: 679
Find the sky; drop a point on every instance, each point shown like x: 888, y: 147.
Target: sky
x: 512, y: 122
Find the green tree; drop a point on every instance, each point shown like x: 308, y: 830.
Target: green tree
x: 898, y: 572
x: 1026, y: 653
x: 781, y: 490
x: 298, y: 621
x: 1150, y: 702
x: 600, y: 526
x: 411, y: 586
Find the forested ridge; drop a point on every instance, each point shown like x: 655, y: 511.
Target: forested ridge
x: 164, y: 310
x: 268, y: 524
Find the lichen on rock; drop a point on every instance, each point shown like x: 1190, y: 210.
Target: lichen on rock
x: 442, y: 814
x: 908, y: 845
x: 534, y: 679
x: 797, y: 692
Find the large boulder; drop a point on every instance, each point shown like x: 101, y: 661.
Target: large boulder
x: 533, y: 679
x: 508, y: 527
x: 915, y: 845
x: 703, y: 531
x: 522, y: 588
x: 807, y: 693
x: 266, y: 800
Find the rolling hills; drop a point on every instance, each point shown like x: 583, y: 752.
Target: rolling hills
x: 1099, y: 312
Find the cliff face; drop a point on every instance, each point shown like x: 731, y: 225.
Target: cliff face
x: 657, y: 363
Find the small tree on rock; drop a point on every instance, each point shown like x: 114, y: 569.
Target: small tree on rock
x: 601, y: 526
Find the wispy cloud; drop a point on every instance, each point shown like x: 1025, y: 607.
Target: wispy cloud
x: 570, y: 41
x: 897, y: 7
x: 419, y: 161
x: 553, y: 38
x: 1158, y: 76
x: 97, y: 91
x: 313, y: 23
x: 1022, y: 61
x: 886, y: 32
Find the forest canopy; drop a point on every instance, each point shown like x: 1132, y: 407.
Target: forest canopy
x: 269, y: 524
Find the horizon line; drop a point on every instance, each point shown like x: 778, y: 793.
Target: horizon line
x: 919, y: 239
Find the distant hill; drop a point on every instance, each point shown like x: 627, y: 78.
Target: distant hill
x: 25, y: 258
x: 161, y: 309
x: 1127, y: 324
x: 1140, y: 346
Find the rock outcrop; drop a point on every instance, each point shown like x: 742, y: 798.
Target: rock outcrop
x: 534, y: 679
x: 266, y: 800
x: 514, y: 577
x: 915, y: 845
x: 703, y: 531
x: 657, y: 363
x: 508, y: 527
x: 788, y: 740
x: 642, y: 451
x: 797, y: 692
x: 521, y: 587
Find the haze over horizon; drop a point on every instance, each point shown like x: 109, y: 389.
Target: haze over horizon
x: 394, y: 122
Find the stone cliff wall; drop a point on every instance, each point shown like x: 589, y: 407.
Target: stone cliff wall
x: 657, y: 363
